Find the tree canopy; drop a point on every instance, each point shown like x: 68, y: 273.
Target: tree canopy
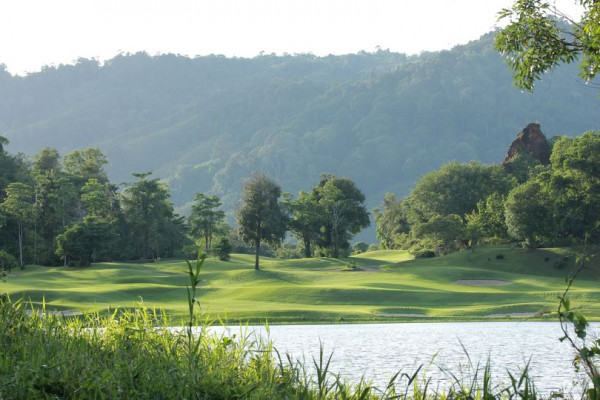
x: 539, y: 37
x: 261, y: 217
x: 462, y: 205
x: 384, y: 119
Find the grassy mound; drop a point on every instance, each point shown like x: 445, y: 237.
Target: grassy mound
x: 380, y: 286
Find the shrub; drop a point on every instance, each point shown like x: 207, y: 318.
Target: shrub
x: 7, y: 261
x: 288, y: 251
x: 373, y: 247
x: 424, y: 248
x: 222, y: 248
x: 360, y: 247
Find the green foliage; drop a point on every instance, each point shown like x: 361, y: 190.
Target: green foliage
x: 136, y: 354
x: 456, y: 188
x: 153, y: 228
x: 86, y: 164
x: 45, y: 161
x: 261, y: 216
x: 384, y: 119
x: 19, y: 204
x: 522, y: 166
x: 360, y: 247
x: 7, y: 262
x: 289, y: 251
x: 587, y: 351
x: 344, y: 213
x: 557, y: 203
x: 392, y: 222
x: 205, y: 217
x: 307, y: 218
x: 447, y: 231
x: 529, y: 214
x: 222, y: 248
x: 424, y: 248
x: 86, y: 241
x: 95, y: 198
x: 488, y: 221
x: 574, y: 184
x: 536, y: 41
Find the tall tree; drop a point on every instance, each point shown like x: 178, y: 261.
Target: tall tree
x: 344, y: 211
x: 574, y: 184
x: 489, y: 220
x: 206, y: 217
x: 45, y: 161
x: 392, y: 222
x: 95, y: 198
x: 82, y: 240
x: 19, y: 205
x: 456, y: 188
x: 153, y: 226
x: 528, y: 211
x: 447, y: 232
x: 94, y: 236
x: 306, y: 220
x: 261, y: 216
x: 536, y: 40
x: 3, y: 142
x: 86, y: 164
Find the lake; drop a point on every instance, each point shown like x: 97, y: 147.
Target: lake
x: 377, y: 351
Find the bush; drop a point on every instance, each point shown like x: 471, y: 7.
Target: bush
x: 189, y: 251
x: 288, y: 251
x: 424, y: 248
x: 360, y: 247
x: 7, y: 261
x: 222, y: 248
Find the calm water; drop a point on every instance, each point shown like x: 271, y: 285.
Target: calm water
x: 377, y: 351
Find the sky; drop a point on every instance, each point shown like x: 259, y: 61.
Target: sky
x: 37, y: 33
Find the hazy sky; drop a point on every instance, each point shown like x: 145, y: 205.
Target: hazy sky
x: 42, y: 32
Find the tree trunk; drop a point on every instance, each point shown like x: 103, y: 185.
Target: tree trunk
x: 20, y: 225
x: 307, y: 249
x: 256, y: 256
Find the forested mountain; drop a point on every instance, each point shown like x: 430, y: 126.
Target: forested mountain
x: 203, y: 124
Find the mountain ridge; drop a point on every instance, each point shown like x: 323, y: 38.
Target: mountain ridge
x: 382, y: 119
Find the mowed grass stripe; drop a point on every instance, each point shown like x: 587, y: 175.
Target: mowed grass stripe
x: 387, y: 285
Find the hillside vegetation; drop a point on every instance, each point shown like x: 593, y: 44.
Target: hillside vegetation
x: 489, y: 282
x: 381, y: 119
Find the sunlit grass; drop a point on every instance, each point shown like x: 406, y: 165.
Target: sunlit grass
x: 135, y: 354
x: 324, y: 290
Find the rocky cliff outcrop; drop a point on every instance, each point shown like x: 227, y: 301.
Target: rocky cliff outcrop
x: 530, y: 141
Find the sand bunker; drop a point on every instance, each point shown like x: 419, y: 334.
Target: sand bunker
x: 481, y: 282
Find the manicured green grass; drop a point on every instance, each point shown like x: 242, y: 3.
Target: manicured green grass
x: 385, y: 286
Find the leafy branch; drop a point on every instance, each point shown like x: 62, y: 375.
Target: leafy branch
x: 587, y: 352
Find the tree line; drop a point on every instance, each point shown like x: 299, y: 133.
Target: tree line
x: 64, y: 211
x: 553, y: 203
x: 206, y: 121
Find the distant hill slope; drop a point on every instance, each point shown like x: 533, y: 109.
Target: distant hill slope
x: 203, y: 124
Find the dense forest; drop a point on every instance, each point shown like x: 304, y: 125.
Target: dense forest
x: 545, y: 193
x: 64, y: 210
x: 202, y: 124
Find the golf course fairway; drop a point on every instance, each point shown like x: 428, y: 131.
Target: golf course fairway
x: 490, y: 282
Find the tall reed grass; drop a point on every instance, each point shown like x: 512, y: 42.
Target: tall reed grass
x: 134, y: 354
